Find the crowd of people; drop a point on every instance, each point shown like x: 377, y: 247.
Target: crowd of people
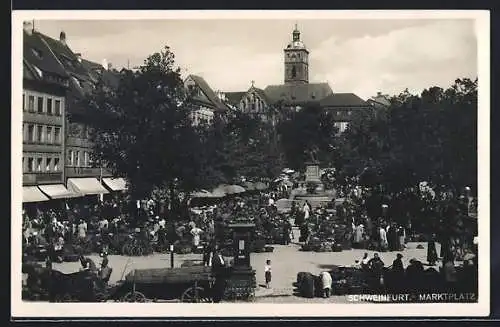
x: 378, y: 220
x: 359, y: 217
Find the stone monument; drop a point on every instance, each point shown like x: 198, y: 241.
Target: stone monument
x: 316, y: 194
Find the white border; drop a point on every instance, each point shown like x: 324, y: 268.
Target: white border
x: 20, y: 309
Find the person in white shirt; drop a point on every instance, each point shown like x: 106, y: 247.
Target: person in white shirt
x: 383, y: 238
x: 267, y: 273
x: 196, y: 232
x: 162, y: 223
x: 306, y: 210
x: 103, y: 224
x: 326, y: 281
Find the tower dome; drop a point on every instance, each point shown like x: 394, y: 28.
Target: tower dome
x: 296, y: 42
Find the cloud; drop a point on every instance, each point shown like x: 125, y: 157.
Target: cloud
x: 414, y: 58
x: 399, y: 56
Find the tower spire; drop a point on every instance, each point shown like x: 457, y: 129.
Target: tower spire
x: 296, y: 33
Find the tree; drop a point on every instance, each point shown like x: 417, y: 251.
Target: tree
x: 429, y: 137
x: 142, y: 129
x: 240, y: 146
x: 309, y: 128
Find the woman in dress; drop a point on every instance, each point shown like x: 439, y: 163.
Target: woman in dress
x: 431, y: 251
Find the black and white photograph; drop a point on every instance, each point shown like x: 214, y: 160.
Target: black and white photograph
x: 248, y: 163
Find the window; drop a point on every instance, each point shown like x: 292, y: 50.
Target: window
x: 349, y: 112
x: 39, y: 134
x: 31, y: 103
x: 37, y: 53
x: 49, y: 106
x: 70, y: 158
x: 48, y: 162
x: 39, y: 162
x: 57, y: 108
x: 49, y: 135
x: 24, y: 163
x: 31, y: 164
x: 57, y: 135
x: 77, y: 158
x: 39, y: 104
x: 56, y: 164
x: 86, y: 159
x: 24, y: 104
x: 31, y: 136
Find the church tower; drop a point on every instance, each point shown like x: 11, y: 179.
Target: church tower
x: 296, y: 60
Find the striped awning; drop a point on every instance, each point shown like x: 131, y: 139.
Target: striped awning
x: 33, y: 194
x: 115, y: 184
x: 86, y: 186
x: 57, y: 191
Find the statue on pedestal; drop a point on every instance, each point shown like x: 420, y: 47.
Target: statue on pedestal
x: 313, y: 154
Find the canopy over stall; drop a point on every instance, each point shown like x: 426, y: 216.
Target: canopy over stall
x: 86, y: 186
x: 33, y: 194
x: 116, y: 184
x: 57, y: 191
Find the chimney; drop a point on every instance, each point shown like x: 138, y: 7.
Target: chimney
x: 105, y: 64
x: 28, y: 27
x: 62, y: 37
x: 379, y: 93
x: 78, y: 57
x: 110, y: 66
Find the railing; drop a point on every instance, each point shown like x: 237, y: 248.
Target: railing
x: 87, y: 172
x: 36, y: 178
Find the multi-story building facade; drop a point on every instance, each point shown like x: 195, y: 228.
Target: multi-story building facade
x: 343, y: 107
x: 83, y: 175
x: 45, y: 85
x: 208, y: 104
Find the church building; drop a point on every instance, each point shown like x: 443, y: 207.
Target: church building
x: 296, y: 92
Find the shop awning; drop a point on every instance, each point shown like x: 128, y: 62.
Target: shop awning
x: 86, y: 186
x: 57, y: 191
x: 33, y: 194
x: 115, y: 184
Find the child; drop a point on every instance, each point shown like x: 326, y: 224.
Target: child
x: 267, y: 271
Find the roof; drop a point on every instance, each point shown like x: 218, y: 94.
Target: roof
x: 298, y: 93
x: 343, y: 100
x: 111, y: 78
x: 207, y: 90
x: 96, y: 71
x: 92, y: 68
x: 260, y: 93
x: 234, y: 97
x: 380, y: 99
x: 28, y: 72
x: 37, y: 53
x: 66, y: 56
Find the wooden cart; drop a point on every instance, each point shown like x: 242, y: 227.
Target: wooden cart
x: 187, y: 284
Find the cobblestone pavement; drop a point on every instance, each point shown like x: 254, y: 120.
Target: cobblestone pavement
x: 287, y: 261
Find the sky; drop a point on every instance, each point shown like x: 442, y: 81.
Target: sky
x: 359, y: 56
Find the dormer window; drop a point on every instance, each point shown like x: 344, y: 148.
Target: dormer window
x: 38, y: 71
x: 37, y: 53
x: 77, y: 81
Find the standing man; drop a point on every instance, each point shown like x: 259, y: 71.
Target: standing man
x: 218, y: 269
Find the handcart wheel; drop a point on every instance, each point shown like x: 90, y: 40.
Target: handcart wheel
x: 195, y: 295
x: 139, y: 250
x: 134, y: 297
